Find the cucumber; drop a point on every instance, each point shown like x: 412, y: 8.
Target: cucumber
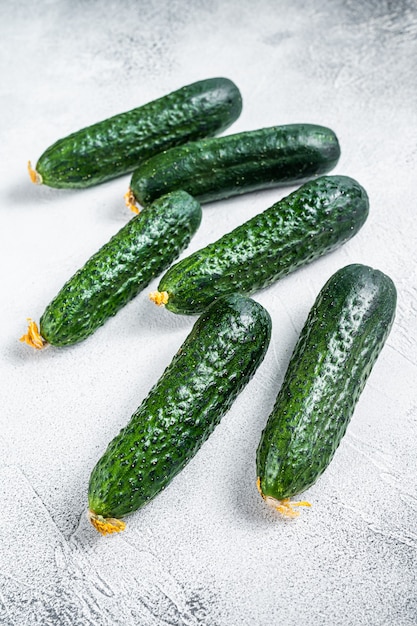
x: 218, y: 358
x: 337, y: 348
x: 217, y: 168
x: 117, y: 145
x: 115, y: 274
x: 315, y: 219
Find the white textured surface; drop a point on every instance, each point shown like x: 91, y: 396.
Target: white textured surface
x: 206, y: 552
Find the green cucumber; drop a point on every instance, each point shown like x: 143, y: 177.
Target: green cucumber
x: 337, y: 348
x: 315, y: 219
x: 218, y: 358
x: 115, y: 274
x: 211, y: 169
x: 117, y: 145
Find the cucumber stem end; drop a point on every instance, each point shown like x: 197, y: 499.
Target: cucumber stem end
x: 106, y: 525
x: 33, y: 337
x: 35, y: 177
x: 159, y: 297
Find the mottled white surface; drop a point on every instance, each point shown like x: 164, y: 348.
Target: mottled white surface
x: 206, y: 552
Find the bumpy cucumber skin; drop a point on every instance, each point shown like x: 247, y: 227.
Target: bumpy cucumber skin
x: 117, y: 145
x: 315, y: 219
x: 217, y: 168
x: 337, y: 348
x: 218, y: 358
x: 115, y: 274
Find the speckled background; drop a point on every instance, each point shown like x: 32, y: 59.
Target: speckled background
x: 206, y: 552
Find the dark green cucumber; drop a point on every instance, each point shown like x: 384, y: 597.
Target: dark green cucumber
x: 117, y: 145
x: 141, y: 250
x: 338, y: 346
x: 315, y: 219
x: 217, y: 168
x: 217, y: 359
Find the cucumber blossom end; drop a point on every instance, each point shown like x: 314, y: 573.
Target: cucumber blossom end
x: 35, y: 177
x: 33, y: 337
x: 131, y: 201
x: 105, y: 525
x: 160, y: 298
x: 285, y: 507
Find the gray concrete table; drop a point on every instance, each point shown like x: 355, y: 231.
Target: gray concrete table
x: 207, y: 551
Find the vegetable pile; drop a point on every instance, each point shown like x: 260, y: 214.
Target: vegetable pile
x: 176, y: 164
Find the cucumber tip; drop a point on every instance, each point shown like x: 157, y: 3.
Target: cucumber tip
x: 33, y: 337
x: 35, y: 177
x: 160, y: 298
x: 285, y: 507
x: 106, y: 525
x: 130, y: 201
